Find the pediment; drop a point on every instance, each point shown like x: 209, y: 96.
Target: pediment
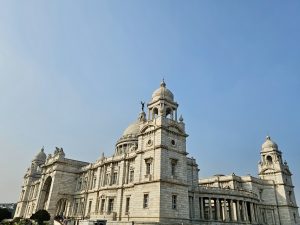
x: 147, y: 128
x: 268, y: 171
x: 176, y: 129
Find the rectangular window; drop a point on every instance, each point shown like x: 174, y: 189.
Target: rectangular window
x: 36, y: 192
x: 79, y: 185
x: 146, y: 201
x: 131, y: 176
x: 290, y: 197
x: 260, y: 194
x: 85, y: 183
x: 81, y: 206
x: 90, y: 207
x: 94, y: 182
x: 97, y: 205
x: 75, y: 208
x: 22, y: 195
x: 31, y: 192
x: 110, y: 205
x: 127, y: 205
x: 173, y: 166
x: 148, y: 168
x: 174, y: 201
x: 106, y: 181
x: 102, y: 205
x: 115, y: 178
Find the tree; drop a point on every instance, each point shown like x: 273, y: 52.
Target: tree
x: 40, y: 216
x: 4, y: 214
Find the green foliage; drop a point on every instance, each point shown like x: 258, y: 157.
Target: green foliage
x: 17, y: 219
x: 40, y: 216
x: 24, y: 222
x: 4, y: 214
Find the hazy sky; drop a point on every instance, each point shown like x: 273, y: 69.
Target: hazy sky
x: 73, y: 73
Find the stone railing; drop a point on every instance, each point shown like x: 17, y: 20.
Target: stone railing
x: 227, y: 191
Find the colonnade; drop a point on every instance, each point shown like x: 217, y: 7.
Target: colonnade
x: 222, y: 209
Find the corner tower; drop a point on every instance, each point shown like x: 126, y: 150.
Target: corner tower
x: 26, y: 204
x: 162, y: 145
x: 272, y: 167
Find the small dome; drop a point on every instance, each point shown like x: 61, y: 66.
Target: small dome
x: 41, y: 156
x: 162, y: 92
x: 269, y: 144
x: 133, y: 129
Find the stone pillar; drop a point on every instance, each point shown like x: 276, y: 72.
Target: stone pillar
x: 252, y: 213
x: 232, y: 217
x: 245, y: 211
x: 225, y: 210
x: 209, y: 209
x: 243, y: 217
x: 202, y: 208
x: 218, y: 209
x: 238, y: 212
x: 256, y: 213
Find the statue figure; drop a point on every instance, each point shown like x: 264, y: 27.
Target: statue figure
x: 143, y: 105
x: 56, y: 151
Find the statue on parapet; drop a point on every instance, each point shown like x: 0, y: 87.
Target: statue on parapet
x: 143, y: 105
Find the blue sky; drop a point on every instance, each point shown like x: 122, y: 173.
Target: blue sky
x: 73, y: 73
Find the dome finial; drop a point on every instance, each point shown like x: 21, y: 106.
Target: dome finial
x: 180, y: 118
x: 163, y: 84
x: 268, y: 137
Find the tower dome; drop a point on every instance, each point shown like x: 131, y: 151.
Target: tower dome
x: 269, y: 144
x: 162, y: 93
x: 40, y: 157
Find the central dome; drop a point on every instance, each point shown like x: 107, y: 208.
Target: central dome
x: 40, y: 157
x: 132, y: 130
x: 162, y: 92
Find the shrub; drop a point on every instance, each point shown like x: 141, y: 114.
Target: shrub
x: 4, y: 214
x: 40, y: 216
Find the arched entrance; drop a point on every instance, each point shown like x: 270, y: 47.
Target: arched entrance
x: 46, y: 192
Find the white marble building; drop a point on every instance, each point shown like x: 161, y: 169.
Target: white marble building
x: 150, y: 180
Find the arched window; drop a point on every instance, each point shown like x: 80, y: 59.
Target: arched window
x: 269, y: 159
x: 155, y: 113
x: 169, y: 113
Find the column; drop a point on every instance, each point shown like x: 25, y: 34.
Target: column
x: 238, y: 212
x: 201, y: 209
x: 232, y: 217
x: 218, y: 208
x: 225, y: 210
x: 252, y: 212
x: 222, y: 210
x: 256, y: 213
x: 245, y: 211
x: 209, y: 209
